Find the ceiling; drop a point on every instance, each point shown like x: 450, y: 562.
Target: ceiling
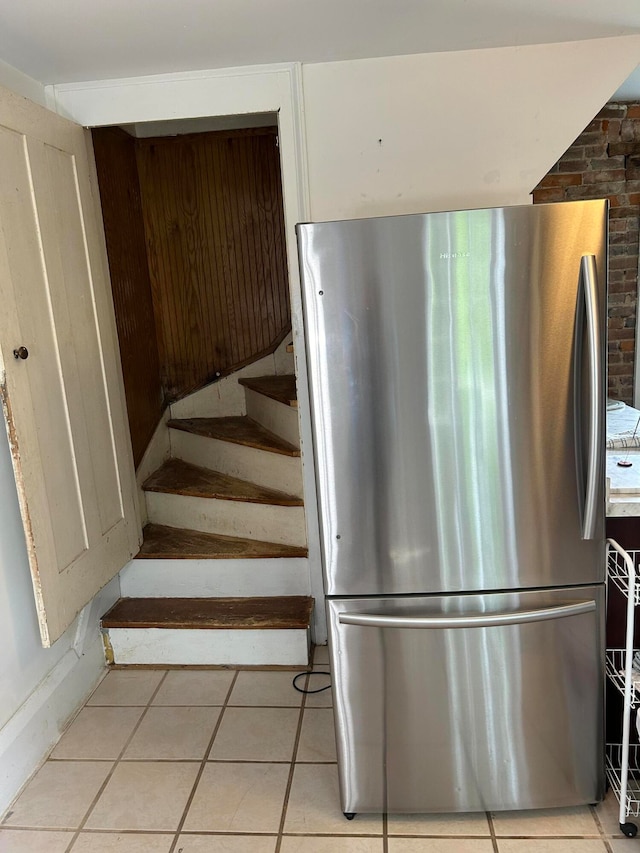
x: 74, y: 40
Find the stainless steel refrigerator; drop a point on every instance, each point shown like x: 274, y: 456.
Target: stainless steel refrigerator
x: 457, y: 376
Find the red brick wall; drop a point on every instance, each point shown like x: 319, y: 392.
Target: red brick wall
x: 604, y: 162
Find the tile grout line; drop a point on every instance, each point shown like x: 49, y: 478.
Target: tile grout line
x: 280, y: 836
x: 492, y: 831
x: 425, y: 836
x: 115, y: 763
x: 187, y: 760
x: 603, y: 836
x: 203, y: 764
x: 296, y: 743
x: 48, y: 757
x: 384, y: 836
x: 498, y: 838
x: 203, y: 705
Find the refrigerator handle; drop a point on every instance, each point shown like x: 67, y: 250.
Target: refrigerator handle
x: 588, y: 296
x: 483, y: 620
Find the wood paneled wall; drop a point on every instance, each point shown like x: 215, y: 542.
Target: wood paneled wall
x: 124, y: 231
x: 214, y: 225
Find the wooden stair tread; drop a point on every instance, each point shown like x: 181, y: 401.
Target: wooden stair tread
x: 181, y: 478
x: 280, y: 388
x: 166, y: 543
x: 238, y: 429
x: 288, y: 612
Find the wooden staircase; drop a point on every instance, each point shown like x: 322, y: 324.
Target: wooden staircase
x: 222, y: 577
x: 234, y: 631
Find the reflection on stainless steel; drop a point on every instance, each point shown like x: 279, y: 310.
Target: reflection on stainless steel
x: 589, y: 281
x: 440, y: 355
x: 473, y: 346
x: 450, y: 389
x: 469, y: 719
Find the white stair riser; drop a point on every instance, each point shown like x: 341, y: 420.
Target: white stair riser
x: 215, y: 578
x: 285, y: 361
x: 226, y: 396
x: 284, y: 525
x: 274, y: 416
x: 209, y: 647
x: 273, y: 470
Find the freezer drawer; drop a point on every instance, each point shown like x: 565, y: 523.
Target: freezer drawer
x: 469, y: 702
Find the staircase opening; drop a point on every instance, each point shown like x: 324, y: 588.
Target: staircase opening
x: 194, y: 227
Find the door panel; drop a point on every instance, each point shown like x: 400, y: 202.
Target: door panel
x: 63, y: 405
x: 23, y: 247
x: 75, y: 266
x: 500, y: 716
x: 442, y: 366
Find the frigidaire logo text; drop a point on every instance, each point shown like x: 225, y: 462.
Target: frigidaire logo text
x: 452, y: 255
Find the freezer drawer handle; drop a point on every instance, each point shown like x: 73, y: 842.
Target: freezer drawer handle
x: 484, y: 620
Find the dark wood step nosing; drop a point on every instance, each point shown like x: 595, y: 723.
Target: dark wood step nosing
x: 285, y: 501
x: 256, y: 383
x: 269, y: 497
x: 187, y: 541
x: 271, y: 613
x: 278, y: 446
x: 298, y: 553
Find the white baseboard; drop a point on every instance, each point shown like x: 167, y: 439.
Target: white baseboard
x: 35, y: 728
x: 225, y: 397
x: 157, y: 452
x: 29, y: 735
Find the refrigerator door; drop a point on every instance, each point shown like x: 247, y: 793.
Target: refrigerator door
x: 469, y: 703
x: 457, y: 385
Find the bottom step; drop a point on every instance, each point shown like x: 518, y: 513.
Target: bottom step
x: 270, y: 631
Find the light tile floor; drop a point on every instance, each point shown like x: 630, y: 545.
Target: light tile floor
x: 191, y: 761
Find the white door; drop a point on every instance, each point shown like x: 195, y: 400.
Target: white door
x: 64, y: 402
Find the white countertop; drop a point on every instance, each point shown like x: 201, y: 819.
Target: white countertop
x: 623, y: 483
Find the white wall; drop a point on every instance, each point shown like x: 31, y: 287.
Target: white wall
x: 442, y: 131
x: 21, y: 83
x: 39, y: 688
x: 24, y: 661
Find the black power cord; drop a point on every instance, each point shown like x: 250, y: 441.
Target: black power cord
x: 302, y: 690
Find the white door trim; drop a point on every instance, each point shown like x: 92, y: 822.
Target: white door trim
x: 233, y: 91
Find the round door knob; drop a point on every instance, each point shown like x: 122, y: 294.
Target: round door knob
x: 21, y: 352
